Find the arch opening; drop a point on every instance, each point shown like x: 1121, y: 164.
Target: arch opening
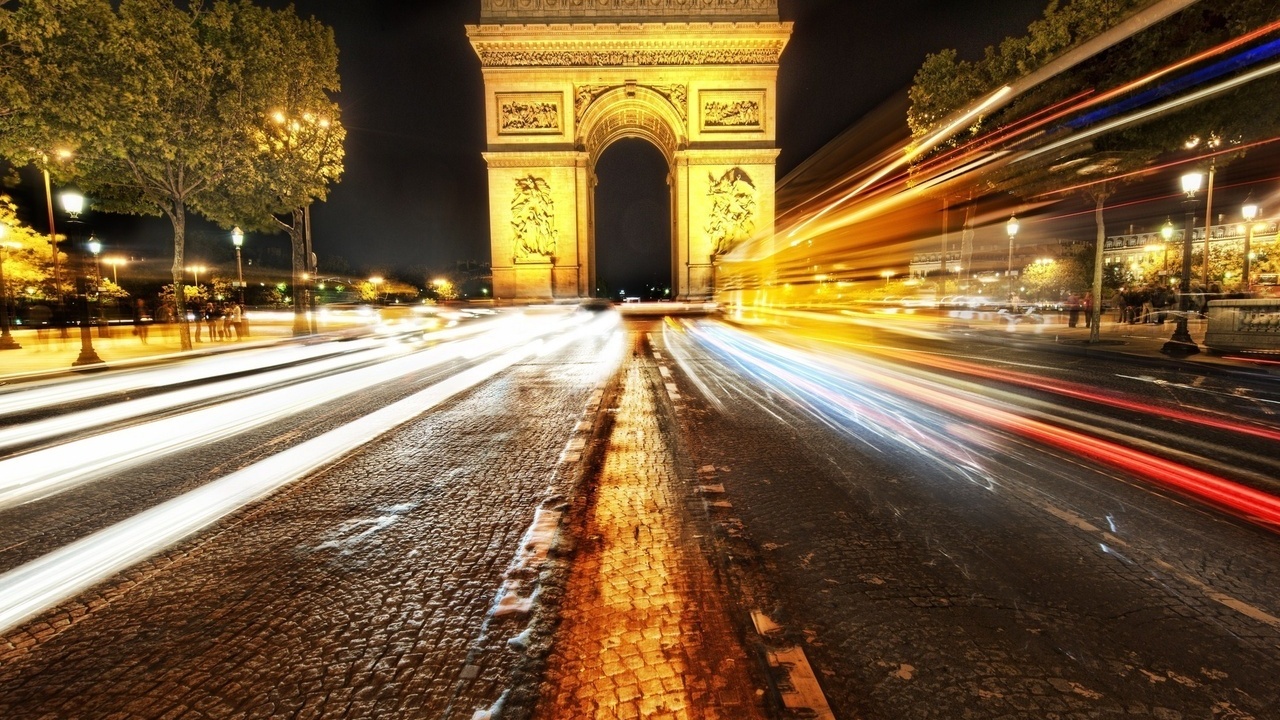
x: 634, y: 238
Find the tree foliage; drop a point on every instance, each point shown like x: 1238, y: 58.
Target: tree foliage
x: 165, y: 105
x: 28, y: 268
x: 1095, y: 164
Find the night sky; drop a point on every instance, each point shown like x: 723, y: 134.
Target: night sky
x: 414, y: 198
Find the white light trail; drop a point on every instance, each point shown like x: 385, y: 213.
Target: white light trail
x: 59, y: 575
x: 40, y: 473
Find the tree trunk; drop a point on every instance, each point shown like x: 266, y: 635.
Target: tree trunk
x: 301, y: 283
x: 178, y: 216
x: 1095, y: 312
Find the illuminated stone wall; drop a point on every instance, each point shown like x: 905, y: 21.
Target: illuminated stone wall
x: 557, y: 95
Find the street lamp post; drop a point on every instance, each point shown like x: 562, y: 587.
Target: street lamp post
x: 237, y: 239
x: 53, y: 235
x: 1181, y: 344
x: 1166, y: 234
x: 887, y: 275
x: 1250, y: 213
x: 1011, y: 228
x: 195, y: 274
x: 95, y: 247
x: 6, y: 340
x: 73, y: 203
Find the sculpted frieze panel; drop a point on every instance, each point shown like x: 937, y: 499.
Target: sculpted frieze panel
x: 490, y: 57
x: 711, y: 9
x: 529, y: 113
x: 732, y: 110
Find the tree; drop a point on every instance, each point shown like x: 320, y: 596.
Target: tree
x: 1093, y: 167
x: 147, y: 106
x: 28, y: 268
x: 293, y: 135
x: 167, y: 106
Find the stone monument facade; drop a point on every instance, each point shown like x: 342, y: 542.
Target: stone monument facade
x: 564, y: 79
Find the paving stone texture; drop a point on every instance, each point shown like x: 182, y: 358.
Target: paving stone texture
x: 645, y: 631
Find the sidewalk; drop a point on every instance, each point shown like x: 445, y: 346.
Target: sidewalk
x: 1140, y: 342
x: 44, y: 353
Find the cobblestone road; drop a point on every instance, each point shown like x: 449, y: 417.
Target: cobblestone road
x: 364, y: 592
x: 644, y: 633
x: 919, y: 595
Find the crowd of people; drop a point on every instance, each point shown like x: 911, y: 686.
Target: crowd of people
x: 1157, y: 302
x: 207, y: 322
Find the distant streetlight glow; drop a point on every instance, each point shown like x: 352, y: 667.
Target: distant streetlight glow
x: 115, y: 263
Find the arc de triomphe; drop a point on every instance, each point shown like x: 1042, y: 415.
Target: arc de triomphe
x: 564, y: 79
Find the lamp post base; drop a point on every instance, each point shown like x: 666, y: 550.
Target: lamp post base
x: 87, y: 357
x: 8, y: 343
x: 1180, y: 345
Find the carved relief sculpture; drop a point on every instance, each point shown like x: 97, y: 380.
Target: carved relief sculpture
x: 733, y: 210
x: 678, y: 96
x: 737, y: 114
x: 533, y: 9
x: 605, y: 58
x: 530, y: 116
x: 533, y: 220
x: 584, y: 95
x: 529, y: 113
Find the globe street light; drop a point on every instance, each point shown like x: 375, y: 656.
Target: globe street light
x: 1181, y: 344
x: 237, y: 239
x: 1011, y: 228
x: 6, y: 340
x: 1250, y: 213
x: 95, y: 247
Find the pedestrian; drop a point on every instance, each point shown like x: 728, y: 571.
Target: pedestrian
x: 1117, y: 302
x: 235, y: 318
x: 210, y: 317
x: 41, y: 317
x: 1073, y: 309
x: 1088, y: 309
x: 140, y: 317
x: 1160, y: 299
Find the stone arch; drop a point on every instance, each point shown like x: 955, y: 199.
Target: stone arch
x: 631, y: 112
x: 563, y: 82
